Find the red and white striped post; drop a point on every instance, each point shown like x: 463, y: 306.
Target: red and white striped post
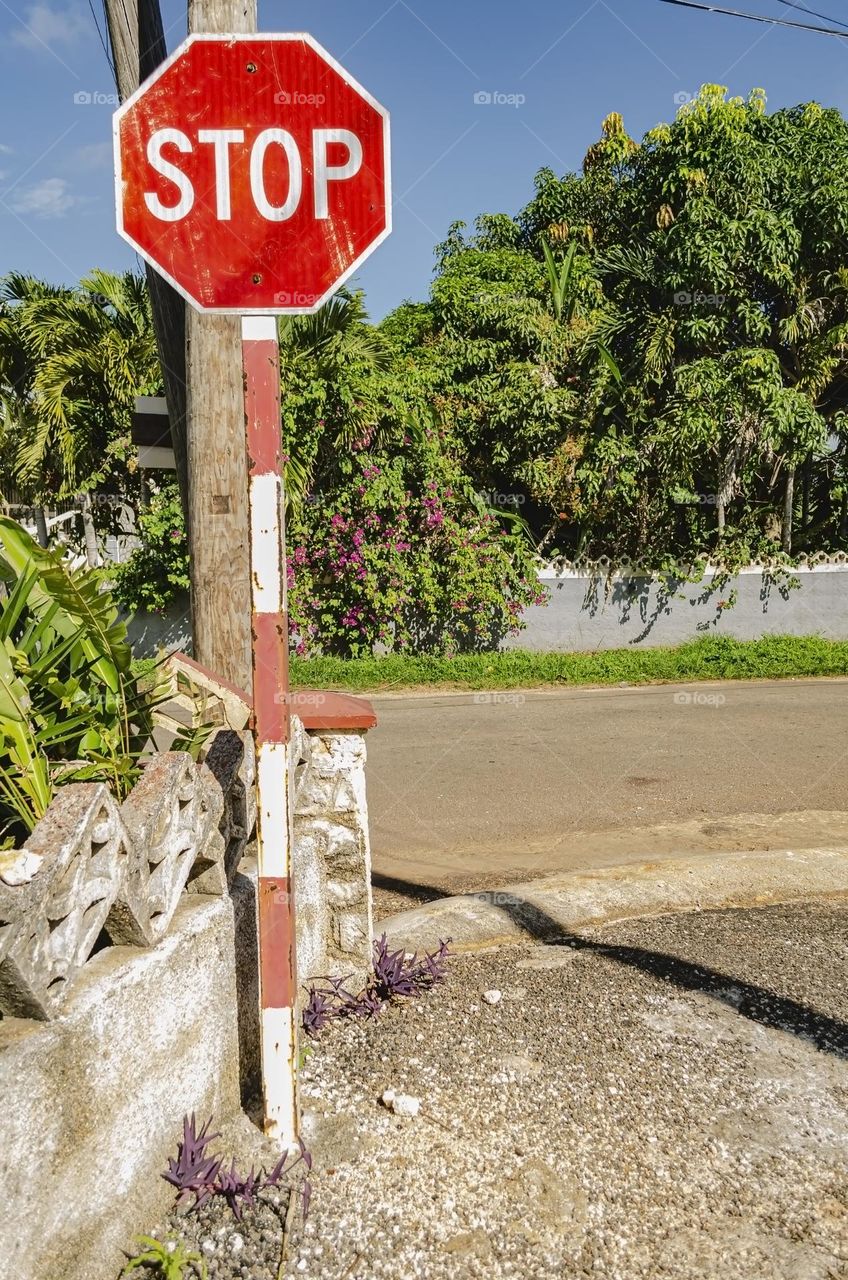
x: 277, y: 961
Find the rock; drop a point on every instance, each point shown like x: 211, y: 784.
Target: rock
x: 235, y: 1243
x: 207, y: 1246
x: 402, y: 1104
x: 493, y: 997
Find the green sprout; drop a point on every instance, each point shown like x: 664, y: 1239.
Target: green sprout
x: 170, y: 1261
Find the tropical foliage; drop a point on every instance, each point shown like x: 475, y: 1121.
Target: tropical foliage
x: 390, y: 544
x: 653, y: 351
x: 157, y: 571
x: 648, y: 360
x: 70, y: 709
x: 71, y: 362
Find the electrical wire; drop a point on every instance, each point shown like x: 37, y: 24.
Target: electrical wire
x: 802, y: 8
x: 100, y: 35
x: 756, y: 17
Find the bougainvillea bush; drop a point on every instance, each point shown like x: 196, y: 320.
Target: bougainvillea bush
x: 402, y: 554
x: 391, y: 544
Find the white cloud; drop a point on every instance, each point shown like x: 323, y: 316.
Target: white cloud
x: 4, y: 150
x: 44, y: 25
x: 50, y: 198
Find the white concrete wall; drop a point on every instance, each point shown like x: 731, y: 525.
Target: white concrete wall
x: 588, y: 611
x: 104, y: 1048
x: 92, y: 1103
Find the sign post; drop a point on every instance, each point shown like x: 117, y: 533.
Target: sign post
x: 269, y: 631
x: 252, y: 172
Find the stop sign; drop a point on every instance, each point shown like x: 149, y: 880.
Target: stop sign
x: 252, y: 172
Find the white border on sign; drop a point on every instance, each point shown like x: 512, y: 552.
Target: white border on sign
x: 349, y: 80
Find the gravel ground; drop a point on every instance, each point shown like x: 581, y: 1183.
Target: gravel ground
x: 667, y: 1098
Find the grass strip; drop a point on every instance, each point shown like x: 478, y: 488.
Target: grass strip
x: 710, y: 658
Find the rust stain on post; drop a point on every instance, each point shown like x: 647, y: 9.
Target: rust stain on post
x: 271, y: 653
x: 275, y: 943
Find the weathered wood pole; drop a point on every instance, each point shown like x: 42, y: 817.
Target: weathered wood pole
x: 217, y: 459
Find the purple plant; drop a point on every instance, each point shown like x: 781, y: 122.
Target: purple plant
x: 368, y: 1004
x: 318, y: 1011
x: 194, y: 1172
x: 433, y: 968
x: 239, y: 1190
x: 273, y: 1178
x: 393, y: 975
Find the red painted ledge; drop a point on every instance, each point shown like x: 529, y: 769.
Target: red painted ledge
x: 316, y: 708
x: 320, y: 710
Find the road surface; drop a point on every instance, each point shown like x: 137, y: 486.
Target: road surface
x: 468, y: 790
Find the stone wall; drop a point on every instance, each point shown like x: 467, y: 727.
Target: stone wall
x: 598, y: 605
x: 128, y: 992
x: 333, y: 864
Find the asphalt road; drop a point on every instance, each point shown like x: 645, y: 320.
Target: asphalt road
x: 466, y: 790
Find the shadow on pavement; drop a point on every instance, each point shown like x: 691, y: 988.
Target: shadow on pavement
x: 758, y: 1004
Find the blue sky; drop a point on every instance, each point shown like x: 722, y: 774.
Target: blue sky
x: 571, y: 62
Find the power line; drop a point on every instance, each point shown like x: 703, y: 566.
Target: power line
x: 802, y: 8
x: 100, y: 36
x: 756, y: 17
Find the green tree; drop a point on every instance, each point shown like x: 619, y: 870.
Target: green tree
x: 653, y: 350
x: 71, y: 362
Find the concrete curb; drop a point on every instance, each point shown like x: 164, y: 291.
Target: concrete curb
x: 573, y: 902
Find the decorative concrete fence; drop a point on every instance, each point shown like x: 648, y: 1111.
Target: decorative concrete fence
x: 600, y: 604
x: 128, y: 976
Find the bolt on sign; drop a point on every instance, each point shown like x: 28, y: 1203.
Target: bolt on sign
x: 252, y: 172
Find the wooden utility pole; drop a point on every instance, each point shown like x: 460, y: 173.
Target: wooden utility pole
x: 137, y: 41
x: 217, y: 470
x: 201, y: 365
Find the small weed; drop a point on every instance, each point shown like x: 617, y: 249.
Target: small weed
x: 168, y: 1257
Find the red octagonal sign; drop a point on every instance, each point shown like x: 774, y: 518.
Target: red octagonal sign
x: 253, y: 173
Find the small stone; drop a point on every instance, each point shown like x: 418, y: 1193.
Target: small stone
x: 236, y: 1243
x: 493, y: 997
x: 402, y: 1104
x: 207, y: 1246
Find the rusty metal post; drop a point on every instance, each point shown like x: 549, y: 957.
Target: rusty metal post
x: 277, y: 960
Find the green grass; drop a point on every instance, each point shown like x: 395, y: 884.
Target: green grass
x: 143, y: 667
x: 714, y: 658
